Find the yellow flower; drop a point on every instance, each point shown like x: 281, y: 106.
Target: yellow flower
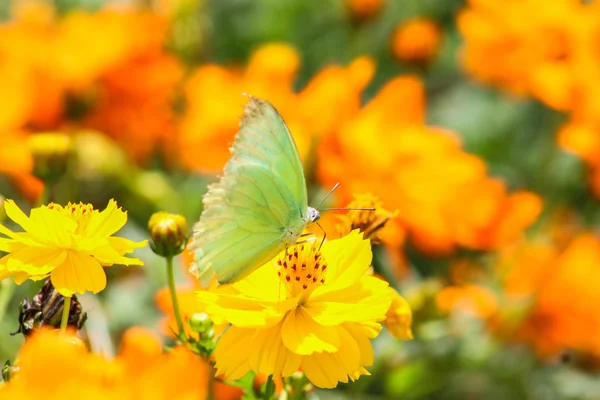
x: 307, y: 309
x: 70, y: 244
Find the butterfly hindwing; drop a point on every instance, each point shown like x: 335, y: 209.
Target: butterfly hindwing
x: 259, y: 204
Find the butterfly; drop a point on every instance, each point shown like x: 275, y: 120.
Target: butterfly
x: 259, y: 205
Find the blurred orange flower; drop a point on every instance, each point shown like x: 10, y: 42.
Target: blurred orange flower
x: 470, y: 299
x: 362, y: 9
x: 416, y: 40
x: 133, y: 104
x: 545, y: 50
x: 444, y: 196
x: 215, y: 103
x: 59, y: 366
x: 530, y: 47
x: 547, y: 273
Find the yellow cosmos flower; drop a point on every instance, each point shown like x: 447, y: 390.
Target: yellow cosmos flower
x: 307, y: 309
x: 70, y: 244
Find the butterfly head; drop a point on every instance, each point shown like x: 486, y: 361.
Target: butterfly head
x: 312, y: 215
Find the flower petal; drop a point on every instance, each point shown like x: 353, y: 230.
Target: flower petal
x: 302, y: 335
x: 242, y: 311
x: 107, y: 222
x: 367, y: 300
x: 77, y: 274
x: 125, y: 246
x: 14, y: 212
x: 325, y: 370
x: 233, y: 352
x: 262, y: 284
x: 269, y: 354
x: 361, y: 334
x: 39, y: 261
x: 51, y: 227
x: 348, y: 259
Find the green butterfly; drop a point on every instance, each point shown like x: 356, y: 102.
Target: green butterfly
x: 259, y: 205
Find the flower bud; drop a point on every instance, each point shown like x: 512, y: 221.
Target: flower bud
x: 416, y: 41
x: 8, y: 370
x: 51, y: 154
x: 201, y: 323
x: 168, y: 233
x: 45, y: 309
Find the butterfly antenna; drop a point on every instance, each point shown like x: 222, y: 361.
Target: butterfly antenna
x: 327, y: 195
x: 350, y: 209
x: 324, y: 236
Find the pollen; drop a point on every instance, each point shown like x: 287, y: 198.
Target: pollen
x: 301, y: 269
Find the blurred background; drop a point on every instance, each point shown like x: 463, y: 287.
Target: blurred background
x: 476, y: 121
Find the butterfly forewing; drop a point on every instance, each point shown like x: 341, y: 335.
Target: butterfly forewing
x: 258, y: 207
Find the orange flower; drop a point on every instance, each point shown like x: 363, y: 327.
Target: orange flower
x: 215, y: 103
x: 530, y: 47
x: 59, y: 366
x: 363, y: 9
x: 416, y: 40
x: 547, y: 274
x: 434, y: 182
x: 133, y: 105
x: 470, y: 299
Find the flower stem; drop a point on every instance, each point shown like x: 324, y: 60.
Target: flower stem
x: 65, y: 316
x: 48, y: 193
x: 171, y: 280
x: 269, y: 388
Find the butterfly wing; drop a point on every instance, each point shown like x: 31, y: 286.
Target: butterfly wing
x: 258, y: 207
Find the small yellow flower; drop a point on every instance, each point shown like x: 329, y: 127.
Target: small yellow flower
x: 307, y: 309
x: 70, y: 244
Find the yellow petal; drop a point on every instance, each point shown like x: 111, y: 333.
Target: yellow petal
x: 233, y: 352
x: 38, y: 261
x: 262, y: 284
x: 302, y: 335
x: 242, y: 311
x: 107, y: 222
x: 367, y: 300
x: 125, y: 246
x: 77, y: 274
x: 269, y: 355
x: 361, y: 334
x: 51, y: 227
x: 325, y: 370
x: 14, y: 212
x: 348, y: 259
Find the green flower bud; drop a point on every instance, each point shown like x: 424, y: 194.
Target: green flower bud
x: 168, y: 233
x: 8, y: 370
x: 201, y: 323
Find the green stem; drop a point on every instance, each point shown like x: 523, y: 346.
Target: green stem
x: 65, y: 316
x: 47, y: 193
x: 171, y: 279
x: 6, y: 290
x: 269, y: 388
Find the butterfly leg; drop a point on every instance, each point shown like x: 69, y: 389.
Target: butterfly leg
x: 312, y: 239
x: 324, y: 235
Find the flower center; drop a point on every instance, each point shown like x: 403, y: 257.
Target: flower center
x: 73, y: 209
x: 301, y: 269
